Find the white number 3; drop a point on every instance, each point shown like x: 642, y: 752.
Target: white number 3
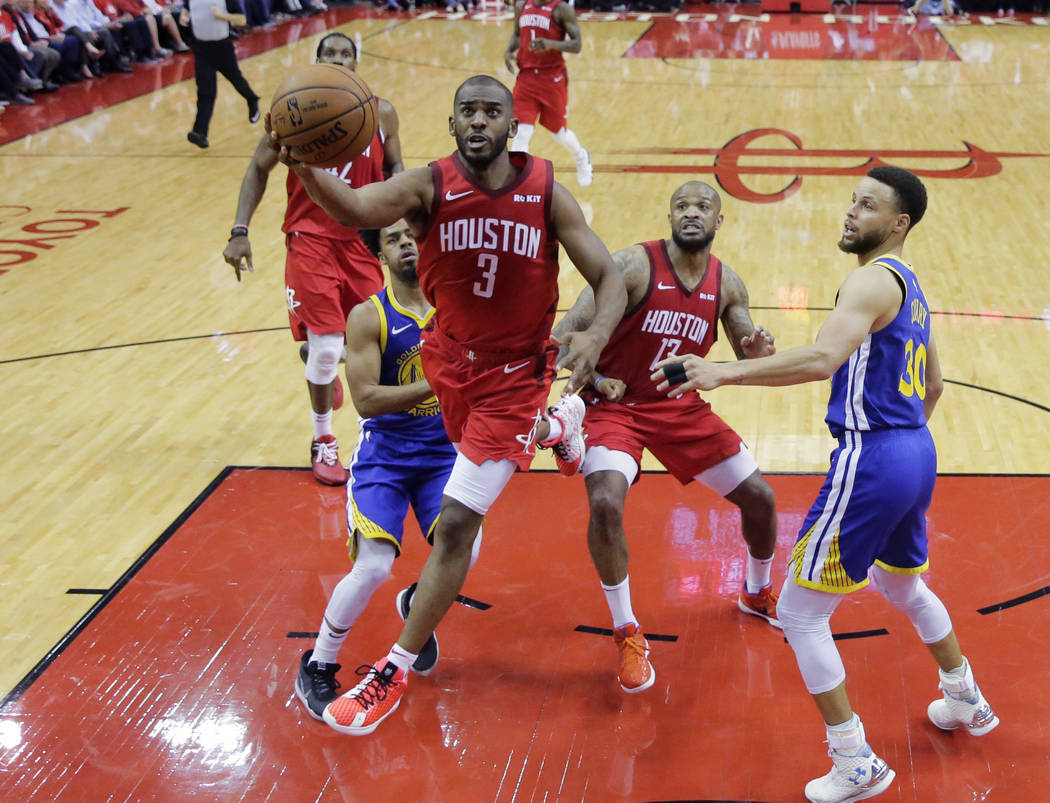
x: 489, y: 263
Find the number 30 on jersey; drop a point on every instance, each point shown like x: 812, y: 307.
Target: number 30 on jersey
x: 913, y: 377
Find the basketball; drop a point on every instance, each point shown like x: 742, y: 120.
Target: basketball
x: 325, y: 115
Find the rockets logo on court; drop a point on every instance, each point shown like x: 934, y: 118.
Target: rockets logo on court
x: 292, y: 303
x: 295, y: 114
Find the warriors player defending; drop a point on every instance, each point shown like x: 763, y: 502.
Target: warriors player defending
x: 402, y: 458
x: 543, y: 30
x: 328, y: 269
x: 490, y: 223
x: 869, y: 520
x: 677, y: 293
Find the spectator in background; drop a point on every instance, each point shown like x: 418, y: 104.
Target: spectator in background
x: 11, y: 56
x: 76, y: 54
x: 10, y: 80
x: 134, y: 31
x: 138, y: 10
x: 206, y: 26
x: 82, y: 19
x: 41, y: 59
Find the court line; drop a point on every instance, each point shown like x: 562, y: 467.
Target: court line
x: 604, y: 631
x: 1010, y: 603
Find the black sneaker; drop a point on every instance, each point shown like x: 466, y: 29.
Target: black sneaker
x: 315, y: 685
x: 199, y: 140
x: 253, y: 111
x: 428, y: 656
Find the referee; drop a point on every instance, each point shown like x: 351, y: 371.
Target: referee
x: 206, y: 29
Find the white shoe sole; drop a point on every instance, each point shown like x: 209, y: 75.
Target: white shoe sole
x: 644, y: 686
x: 878, y: 789
x: 945, y: 725
x: 747, y: 609
x: 350, y: 730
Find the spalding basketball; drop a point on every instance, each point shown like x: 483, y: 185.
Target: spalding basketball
x: 325, y: 115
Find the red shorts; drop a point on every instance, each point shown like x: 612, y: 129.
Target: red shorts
x: 324, y: 279
x: 684, y: 434
x: 543, y: 94
x: 490, y: 403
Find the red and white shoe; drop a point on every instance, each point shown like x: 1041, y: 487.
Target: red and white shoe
x: 569, y: 450
x: 636, y: 673
x: 377, y: 696
x: 324, y: 455
x: 763, y: 604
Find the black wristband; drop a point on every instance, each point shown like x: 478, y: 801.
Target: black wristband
x: 675, y: 373
x: 238, y: 231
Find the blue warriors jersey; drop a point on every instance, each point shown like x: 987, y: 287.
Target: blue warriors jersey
x: 883, y: 383
x: 399, y: 330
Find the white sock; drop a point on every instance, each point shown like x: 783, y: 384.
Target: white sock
x: 401, y: 658
x: 757, y: 573
x: 567, y: 139
x: 619, y: 599
x: 329, y: 641
x: 555, y: 431
x: 848, y: 737
x: 322, y: 423
x: 521, y: 140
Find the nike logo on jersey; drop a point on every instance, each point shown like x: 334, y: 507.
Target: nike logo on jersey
x: 450, y: 197
x: 507, y: 369
x: 398, y: 330
x: 662, y: 286
x: 558, y: 78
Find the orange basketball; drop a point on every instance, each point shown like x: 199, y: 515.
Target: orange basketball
x: 325, y: 115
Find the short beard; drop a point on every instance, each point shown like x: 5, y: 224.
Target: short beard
x: 408, y: 276
x: 692, y: 246
x: 477, y: 161
x: 862, y: 244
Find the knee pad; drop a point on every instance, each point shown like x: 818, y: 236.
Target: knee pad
x: 373, y: 562
x: 322, y: 361
x: 522, y: 138
x: 912, y: 597
x: 805, y: 615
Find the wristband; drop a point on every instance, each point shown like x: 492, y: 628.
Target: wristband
x: 597, y: 379
x: 240, y: 230
x: 675, y: 373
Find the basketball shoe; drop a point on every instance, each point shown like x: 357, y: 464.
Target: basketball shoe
x: 853, y: 777
x: 763, y: 604
x: 569, y: 449
x: 584, y: 171
x: 428, y: 656
x: 315, y: 685
x: 636, y: 673
x: 377, y: 696
x: 324, y: 455
x: 962, y: 704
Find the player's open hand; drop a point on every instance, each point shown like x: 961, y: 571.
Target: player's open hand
x: 284, y: 156
x: 508, y: 59
x: 238, y: 253
x: 539, y: 45
x: 580, y: 355
x: 758, y: 344
x: 677, y: 375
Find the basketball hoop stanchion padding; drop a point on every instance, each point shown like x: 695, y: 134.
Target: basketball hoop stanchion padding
x: 804, y: 6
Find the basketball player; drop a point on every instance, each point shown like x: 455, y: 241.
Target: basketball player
x: 490, y: 223
x: 403, y: 457
x: 869, y: 520
x: 677, y: 292
x: 328, y: 269
x: 543, y: 30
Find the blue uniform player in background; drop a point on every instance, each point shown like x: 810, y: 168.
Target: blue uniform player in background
x: 869, y: 520
x: 403, y: 458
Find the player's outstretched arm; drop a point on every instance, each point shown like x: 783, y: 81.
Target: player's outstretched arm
x: 391, y: 127
x: 364, y: 360
x: 238, y: 251
x: 869, y: 295
x: 406, y: 195
x: 748, y: 341
x: 591, y: 258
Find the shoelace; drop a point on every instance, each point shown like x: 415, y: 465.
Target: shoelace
x: 327, y: 453
x: 636, y: 645
x: 323, y: 680
x: 374, y: 690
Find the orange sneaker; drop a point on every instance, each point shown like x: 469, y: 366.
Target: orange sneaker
x: 763, y: 604
x: 360, y: 710
x: 636, y: 673
x: 324, y: 455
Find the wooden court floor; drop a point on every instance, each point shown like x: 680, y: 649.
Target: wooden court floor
x: 135, y: 369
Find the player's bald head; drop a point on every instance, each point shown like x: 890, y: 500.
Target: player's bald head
x: 697, y: 189
x: 487, y: 82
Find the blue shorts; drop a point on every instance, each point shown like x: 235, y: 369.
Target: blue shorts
x: 389, y: 472
x: 871, y: 509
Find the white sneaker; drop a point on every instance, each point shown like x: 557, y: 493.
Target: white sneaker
x: 569, y: 450
x: 584, y: 171
x: 962, y: 704
x: 856, y: 777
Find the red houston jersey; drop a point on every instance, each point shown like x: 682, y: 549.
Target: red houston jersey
x: 537, y: 22
x: 489, y: 260
x: 669, y: 320
x: 302, y: 214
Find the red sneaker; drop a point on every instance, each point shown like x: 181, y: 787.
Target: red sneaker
x: 324, y: 454
x: 360, y: 710
x: 763, y: 604
x: 636, y: 673
x: 569, y: 449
